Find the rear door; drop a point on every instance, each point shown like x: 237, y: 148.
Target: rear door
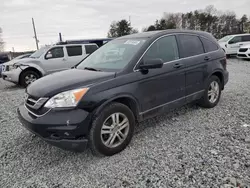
x: 194, y: 58
x: 75, y: 53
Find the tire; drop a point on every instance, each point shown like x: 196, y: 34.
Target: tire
x: 29, y: 73
x: 98, y: 136
x: 206, y: 101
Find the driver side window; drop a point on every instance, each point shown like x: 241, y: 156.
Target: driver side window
x: 55, y: 53
x: 235, y: 40
x: 165, y: 49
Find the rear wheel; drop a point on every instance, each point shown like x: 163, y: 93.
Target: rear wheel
x: 28, y: 77
x: 212, y: 93
x: 112, y: 130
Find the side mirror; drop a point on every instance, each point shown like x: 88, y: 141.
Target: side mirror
x: 48, y: 56
x: 151, y: 64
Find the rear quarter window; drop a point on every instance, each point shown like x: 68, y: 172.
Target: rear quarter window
x: 209, y: 46
x: 246, y: 38
x: 190, y: 45
x: 90, y: 49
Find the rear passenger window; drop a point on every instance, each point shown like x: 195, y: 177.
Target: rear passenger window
x: 74, y: 50
x: 90, y: 49
x: 191, y: 45
x: 246, y: 38
x: 209, y: 45
x: 165, y: 48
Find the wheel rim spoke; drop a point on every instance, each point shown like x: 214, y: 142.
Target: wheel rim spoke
x: 111, y: 140
x: 213, y: 92
x: 120, y: 135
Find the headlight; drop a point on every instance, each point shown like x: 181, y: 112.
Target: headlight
x: 67, y: 98
x: 12, y: 67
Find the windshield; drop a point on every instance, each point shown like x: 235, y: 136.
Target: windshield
x: 113, y: 56
x: 225, y: 39
x: 39, y: 52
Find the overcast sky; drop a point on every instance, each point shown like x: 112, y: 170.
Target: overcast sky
x: 80, y: 19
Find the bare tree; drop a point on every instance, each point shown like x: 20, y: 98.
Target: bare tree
x: 1, y: 41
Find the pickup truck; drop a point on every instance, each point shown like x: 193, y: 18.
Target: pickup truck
x: 46, y: 60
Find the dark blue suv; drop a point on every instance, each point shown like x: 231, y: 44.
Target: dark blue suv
x: 128, y: 80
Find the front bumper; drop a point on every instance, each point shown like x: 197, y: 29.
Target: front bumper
x: 66, y: 129
x: 12, y: 76
x: 244, y: 55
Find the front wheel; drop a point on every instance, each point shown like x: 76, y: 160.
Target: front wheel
x: 212, y: 93
x: 28, y: 77
x: 112, y: 130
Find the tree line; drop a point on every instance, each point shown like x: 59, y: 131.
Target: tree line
x: 210, y: 19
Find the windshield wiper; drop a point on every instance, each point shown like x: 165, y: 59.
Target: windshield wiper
x: 91, y: 69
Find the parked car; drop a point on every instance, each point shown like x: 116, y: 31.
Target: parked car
x: 99, y: 102
x: 244, y: 52
x: 47, y: 60
x: 232, y: 43
x: 3, y: 58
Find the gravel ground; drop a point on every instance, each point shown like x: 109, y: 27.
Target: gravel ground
x: 189, y: 147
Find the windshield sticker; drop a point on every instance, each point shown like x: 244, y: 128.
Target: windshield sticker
x: 133, y: 42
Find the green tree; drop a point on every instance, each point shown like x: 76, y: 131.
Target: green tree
x: 121, y: 28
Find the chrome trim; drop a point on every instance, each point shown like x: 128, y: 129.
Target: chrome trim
x: 136, y: 70
x: 37, y: 104
x: 141, y: 113
x: 36, y: 114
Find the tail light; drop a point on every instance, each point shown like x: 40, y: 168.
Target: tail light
x: 224, y: 63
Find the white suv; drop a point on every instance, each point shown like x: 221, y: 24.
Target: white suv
x: 232, y: 43
x: 45, y: 61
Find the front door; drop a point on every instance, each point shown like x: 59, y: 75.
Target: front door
x: 163, y: 88
x: 55, y: 60
x: 234, y: 44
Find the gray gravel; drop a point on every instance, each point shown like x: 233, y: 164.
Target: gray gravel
x: 189, y: 147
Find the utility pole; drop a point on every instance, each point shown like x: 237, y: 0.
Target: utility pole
x: 60, y: 37
x: 33, y: 23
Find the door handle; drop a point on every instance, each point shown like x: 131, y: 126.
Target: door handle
x: 207, y: 58
x: 64, y: 59
x: 177, y: 65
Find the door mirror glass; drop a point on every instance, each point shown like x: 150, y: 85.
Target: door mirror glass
x: 151, y: 64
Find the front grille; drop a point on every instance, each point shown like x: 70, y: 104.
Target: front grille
x: 242, y: 55
x: 243, y: 49
x: 35, y: 103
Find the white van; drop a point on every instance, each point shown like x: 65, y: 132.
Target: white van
x: 44, y: 61
x: 232, y: 43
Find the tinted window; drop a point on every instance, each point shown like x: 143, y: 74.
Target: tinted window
x: 90, y: 49
x: 191, y: 45
x: 209, y: 45
x: 246, y: 38
x: 235, y: 40
x: 74, y: 50
x: 164, y: 48
x: 55, y: 53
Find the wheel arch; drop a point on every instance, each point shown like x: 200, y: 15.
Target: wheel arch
x: 125, y: 99
x: 220, y: 75
x: 30, y: 69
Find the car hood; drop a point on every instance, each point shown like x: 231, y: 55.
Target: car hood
x: 53, y: 84
x: 24, y: 61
